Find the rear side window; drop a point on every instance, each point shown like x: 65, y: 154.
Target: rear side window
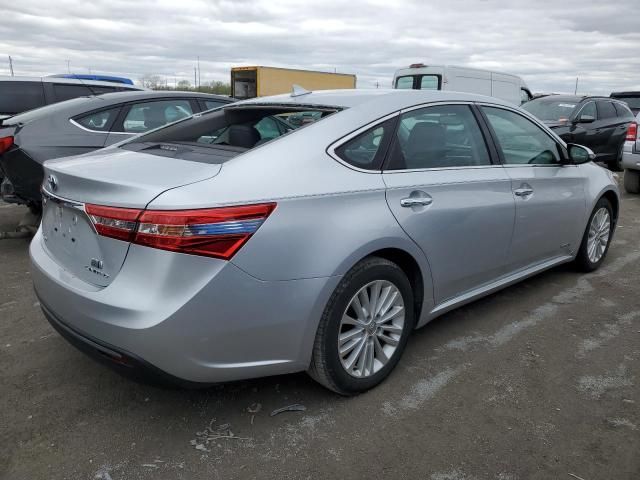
x: 146, y: 116
x: 522, y: 142
x: 98, y: 121
x: 209, y: 104
x: 66, y: 92
x: 367, y: 150
x: 606, y: 110
x: 623, y: 112
x: 17, y: 97
x: 438, y: 137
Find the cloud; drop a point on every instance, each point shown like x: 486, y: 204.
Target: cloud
x: 548, y: 43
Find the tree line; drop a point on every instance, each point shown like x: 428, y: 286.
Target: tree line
x: 157, y: 82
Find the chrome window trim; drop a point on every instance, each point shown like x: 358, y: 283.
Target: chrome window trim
x: 73, y: 122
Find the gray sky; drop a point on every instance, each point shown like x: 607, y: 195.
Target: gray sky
x: 548, y: 43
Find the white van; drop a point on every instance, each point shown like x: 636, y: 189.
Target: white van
x: 463, y: 79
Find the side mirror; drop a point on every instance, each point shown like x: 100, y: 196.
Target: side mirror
x: 585, y: 119
x: 579, y: 154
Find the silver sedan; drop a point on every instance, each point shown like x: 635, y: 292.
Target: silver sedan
x: 222, y: 247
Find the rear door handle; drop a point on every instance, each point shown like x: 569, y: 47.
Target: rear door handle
x: 416, y: 202
x: 523, y: 192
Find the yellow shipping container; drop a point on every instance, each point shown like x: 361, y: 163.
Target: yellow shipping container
x: 250, y: 82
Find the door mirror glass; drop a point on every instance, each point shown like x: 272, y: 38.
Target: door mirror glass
x: 579, y: 154
x: 586, y: 118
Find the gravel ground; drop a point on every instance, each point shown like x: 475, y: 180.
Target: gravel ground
x: 538, y: 381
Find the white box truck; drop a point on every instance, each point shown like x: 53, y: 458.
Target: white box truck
x: 463, y: 79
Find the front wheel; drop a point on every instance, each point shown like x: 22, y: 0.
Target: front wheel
x: 364, y: 328
x: 597, y: 237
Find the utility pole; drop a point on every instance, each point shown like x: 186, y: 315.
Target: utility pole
x: 195, y: 76
x: 199, y: 73
x: 575, y: 92
x: 11, y: 65
x: 68, y: 67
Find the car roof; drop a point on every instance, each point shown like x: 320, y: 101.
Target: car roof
x: 80, y: 105
x: 392, y: 98
x: 69, y: 81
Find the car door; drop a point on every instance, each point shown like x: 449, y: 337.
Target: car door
x: 449, y: 197
x: 610, y: 131
x: 141, y: 117
x: 583, y: 127
x: 549, y: 195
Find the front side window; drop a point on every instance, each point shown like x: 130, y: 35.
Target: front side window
x: 438, y: 137
x: 606, y: 110
x: 98, y: 121
x: 404, y: 83
x: 589, y: 110
x: 367, y: 150
x: 522, y: 142
x: 146, y: 116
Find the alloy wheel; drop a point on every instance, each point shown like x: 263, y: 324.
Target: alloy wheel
x: 599, y: 232
x: 371, y: 328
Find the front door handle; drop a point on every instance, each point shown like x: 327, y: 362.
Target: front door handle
x: 416, y: 201
x: 523, y: 192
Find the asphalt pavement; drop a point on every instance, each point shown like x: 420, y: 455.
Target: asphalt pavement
x: 538, y: 381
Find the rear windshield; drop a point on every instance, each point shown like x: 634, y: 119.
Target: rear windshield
x: 551, y: 109
x: 633, y: 102
x: 220, y: 135
x: 50, y: 110
x: 16, y: 97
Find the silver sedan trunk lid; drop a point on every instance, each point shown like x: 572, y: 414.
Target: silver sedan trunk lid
x: 118, y: 179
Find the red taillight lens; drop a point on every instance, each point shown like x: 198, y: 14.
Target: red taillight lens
x: 5, y: 144
x: 114, y: 222
x: 212, y: 232
x: 632, y: 132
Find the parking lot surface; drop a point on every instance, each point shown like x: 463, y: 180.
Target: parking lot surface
x: 538, y: 381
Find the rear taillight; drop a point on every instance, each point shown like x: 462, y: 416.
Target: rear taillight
x: 114, y: 222
x: 5, y: 144
x: 212, y: 232
x: 632, y: 132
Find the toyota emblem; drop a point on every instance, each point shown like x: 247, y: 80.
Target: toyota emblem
x: 53, y: 182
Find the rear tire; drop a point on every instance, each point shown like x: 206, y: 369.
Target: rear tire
x: 355, y: 347
x: 616, y: 165
x: 632, y: 181
x: 596, y: 238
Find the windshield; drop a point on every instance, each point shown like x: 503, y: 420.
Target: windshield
x: 551, y: 109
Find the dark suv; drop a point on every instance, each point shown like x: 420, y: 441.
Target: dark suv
x: 19, y: 94
x: 599, y: 123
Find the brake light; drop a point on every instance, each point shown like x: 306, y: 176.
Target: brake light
x: 212, y: 232
x: 5, y: 144
x: 417, y: 65
x: 114, y: 222
x: 632, y: 132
